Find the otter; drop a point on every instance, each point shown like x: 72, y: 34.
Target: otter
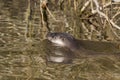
x: 63, y: 40
x: 76, y: 47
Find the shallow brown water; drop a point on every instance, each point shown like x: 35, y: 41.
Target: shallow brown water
x: 24, y: 58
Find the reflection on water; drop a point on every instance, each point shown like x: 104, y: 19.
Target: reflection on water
x: 22, y: 63
x: 22, y: 60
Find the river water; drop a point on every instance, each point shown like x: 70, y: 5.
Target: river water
x: 23, y: 56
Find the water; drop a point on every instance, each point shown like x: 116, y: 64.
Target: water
x: 23, y: 57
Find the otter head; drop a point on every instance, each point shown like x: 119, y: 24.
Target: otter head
x: 56, y: 38
x: 62, y: 39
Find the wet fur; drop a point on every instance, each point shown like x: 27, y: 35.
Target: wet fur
x: 68, y: 40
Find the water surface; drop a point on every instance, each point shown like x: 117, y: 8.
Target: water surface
x: 24, y: 57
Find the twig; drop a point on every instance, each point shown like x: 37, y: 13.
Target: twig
x: 107, y: 4
x: 106, y: 17
x: 52, y: 15
x: 85, y: 5
x: 115, y: 15
x: 75, y: 5
x: 116, y: 26
x: 102, y: 14
x: 41, y: 11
